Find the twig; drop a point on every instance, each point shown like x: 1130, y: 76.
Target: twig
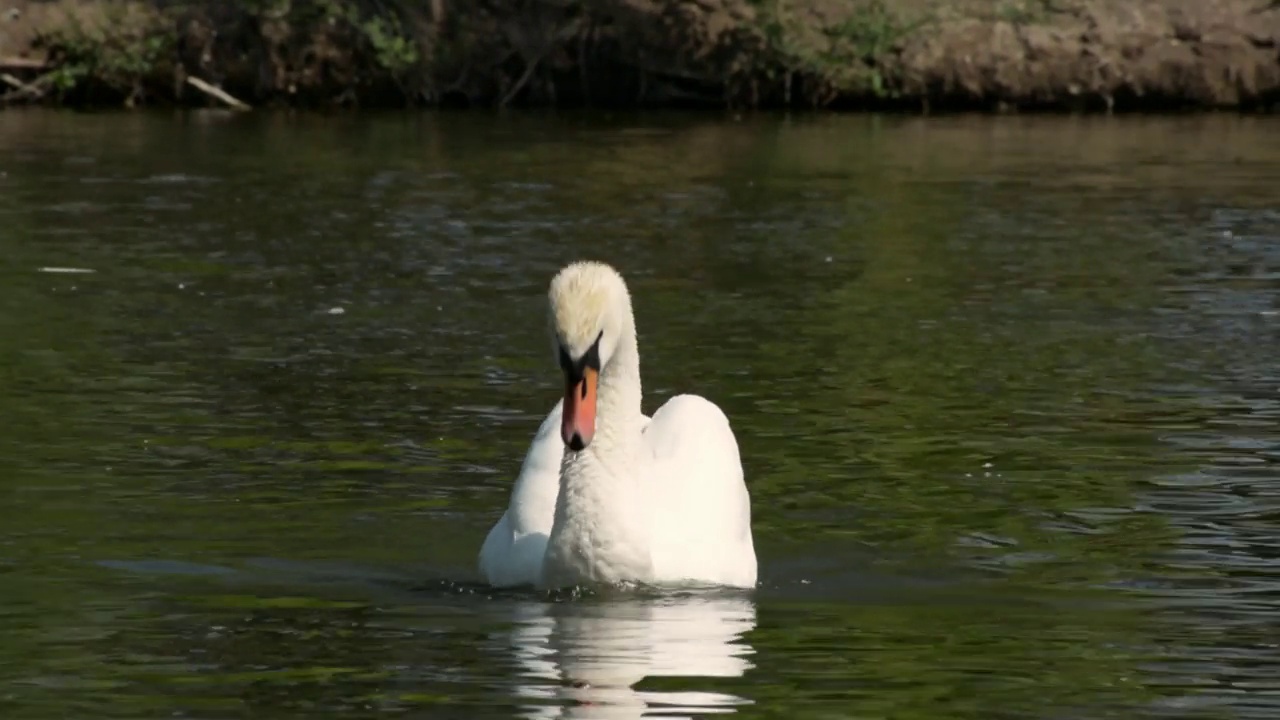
x: 528, y: 73
x: 217, y: 92
x: 520, y: 38
x: 458, y: 84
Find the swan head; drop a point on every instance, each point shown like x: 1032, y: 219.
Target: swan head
x: 590, y: 309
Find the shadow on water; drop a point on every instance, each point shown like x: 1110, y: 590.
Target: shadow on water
x: 1005, y: 391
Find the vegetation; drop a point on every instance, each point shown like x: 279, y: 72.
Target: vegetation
x: 122, y: 50
x: 835, y: 58
x: 739, y: 53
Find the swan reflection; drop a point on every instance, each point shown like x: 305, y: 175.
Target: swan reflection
x: 581, y: 659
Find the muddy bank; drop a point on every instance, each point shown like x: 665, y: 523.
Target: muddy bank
x: 910, y: 54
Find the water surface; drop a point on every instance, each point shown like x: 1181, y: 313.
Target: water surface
x: 1005, y: 389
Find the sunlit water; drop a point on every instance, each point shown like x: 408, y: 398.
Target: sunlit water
x: 1007, y: 394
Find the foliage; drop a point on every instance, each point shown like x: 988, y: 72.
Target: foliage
x: 128, y: 46
x: 395, y: 50
x: 120, y: 46
x: 846, y: 56
x: 736, y: 52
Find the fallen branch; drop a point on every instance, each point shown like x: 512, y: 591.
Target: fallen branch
x: 217, y: 92
x: 17, y: 63
x: 15, y: 82
x: 36, y: 88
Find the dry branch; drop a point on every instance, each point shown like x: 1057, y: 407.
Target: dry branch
x: 34, y: 89
x: 217, y: 92
x: 18, y: 63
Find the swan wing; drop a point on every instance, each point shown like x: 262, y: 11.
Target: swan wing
x: 701, y: 507
x: 512, y: 552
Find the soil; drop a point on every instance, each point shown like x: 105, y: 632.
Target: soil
x: 931, y: 55
x: 1113, y: 53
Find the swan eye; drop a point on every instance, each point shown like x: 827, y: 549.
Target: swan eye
x: 590, y: 359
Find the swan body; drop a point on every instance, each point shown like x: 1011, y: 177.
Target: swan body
x: 512, y: 552
x: 617, y: 497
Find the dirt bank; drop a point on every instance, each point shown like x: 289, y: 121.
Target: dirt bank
x: 912, y: 54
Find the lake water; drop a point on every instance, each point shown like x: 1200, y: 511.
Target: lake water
x: 1007, y: 392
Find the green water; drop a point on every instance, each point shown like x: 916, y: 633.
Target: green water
x: 1007, y: 394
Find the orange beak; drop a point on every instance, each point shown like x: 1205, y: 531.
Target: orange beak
x: 579, y: 414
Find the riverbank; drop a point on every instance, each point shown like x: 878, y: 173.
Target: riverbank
x: 918, y: 55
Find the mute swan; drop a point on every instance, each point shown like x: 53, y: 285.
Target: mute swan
x: 614, y: 496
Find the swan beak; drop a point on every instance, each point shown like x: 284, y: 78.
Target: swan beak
x: 579, y: 422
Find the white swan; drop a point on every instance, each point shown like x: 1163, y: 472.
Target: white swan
x: 618, y: 497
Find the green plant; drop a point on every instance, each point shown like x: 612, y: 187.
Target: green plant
x: 844, y: 57
x: 120, y: 46
x: 395, y: 49
x: 396, y: 52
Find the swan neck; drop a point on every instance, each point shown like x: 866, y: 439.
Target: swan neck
x: 601, y: 520
x: 618, y: 398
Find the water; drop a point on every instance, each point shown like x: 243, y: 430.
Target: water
x: 1006, y: 392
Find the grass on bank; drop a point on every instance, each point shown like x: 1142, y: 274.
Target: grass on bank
x: 426, y: 52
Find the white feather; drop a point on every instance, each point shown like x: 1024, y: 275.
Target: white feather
x: 512, y: 552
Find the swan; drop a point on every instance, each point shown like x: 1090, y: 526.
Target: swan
x: 606, y: 495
